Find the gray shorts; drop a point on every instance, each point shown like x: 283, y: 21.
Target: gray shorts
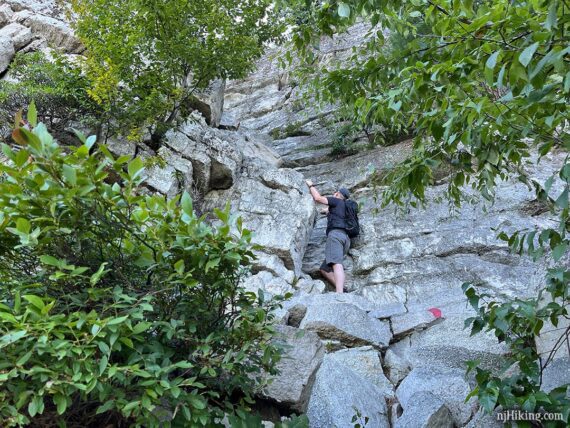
x: 336, y: 248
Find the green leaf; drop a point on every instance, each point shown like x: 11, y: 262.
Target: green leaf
x: 70, y: 174
x: 343, y: 10
x: 118, y: 320
x: 34, y: 301
x: 96, y: 277
x: 186, y: 203
x: 79, y: 135
x: 526, y: 56
x: 488, y: 399
x: 130, y: 406
x: 562, y: 201
x: 212, y: 263
x: 552, y: 19
x: 32, y: 114
x: 61, y: 403
x: 197, y: 402
x: 51, y: 261
x: 559, y: 251
x: 492, y: 60
x: 23, y: 226
x: 135, y: 168
x: 90, y: 141
x: 103, y: 364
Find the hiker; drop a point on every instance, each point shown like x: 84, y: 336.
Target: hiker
x: 338, y: 241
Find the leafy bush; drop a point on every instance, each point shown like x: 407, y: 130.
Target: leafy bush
x: 118, y: 306
x: 146, y: 59
x: 57, y: 87
x: 342, y: 143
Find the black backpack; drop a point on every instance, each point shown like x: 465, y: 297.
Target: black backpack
x: 351, y: 218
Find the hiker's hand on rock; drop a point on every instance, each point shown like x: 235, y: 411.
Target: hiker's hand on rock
x: 309, y: 183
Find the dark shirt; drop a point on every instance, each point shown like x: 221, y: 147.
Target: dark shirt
x: 335, y: 217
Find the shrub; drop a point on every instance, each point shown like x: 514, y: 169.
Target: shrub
x: 58, y: 88
x: 116, y: 306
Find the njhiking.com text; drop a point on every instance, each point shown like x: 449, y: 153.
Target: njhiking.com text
x: 520, y: 415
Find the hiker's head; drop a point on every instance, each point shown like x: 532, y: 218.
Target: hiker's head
x: 342, y: 193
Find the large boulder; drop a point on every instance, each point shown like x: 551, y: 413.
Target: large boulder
x: 210, y: 102
x: 168, y: 174
x: 216, y: 161
x: 268, y: 283
x: 56, y: 32
x: 19, y: 34
x: 340, y: 396
x: 6, y: 14
x: 427, y: 411
x: 303, y: 354
x: 447, y: 384
x: 348, y: 324
x: 367, y: 362
x: 6, y: 52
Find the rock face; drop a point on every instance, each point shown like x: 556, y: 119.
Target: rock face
x: 348, y: 324
x: 407, y: 267
x: 427, y: 411
x: 340, y: 394
x: 303, y: 355
x: 6, y: 52
x: 210, y: 102
x: 449, y: 385
x: 31, y: 25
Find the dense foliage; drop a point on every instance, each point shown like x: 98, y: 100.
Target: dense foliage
x: 118, y: 306
x: 485, y: 85
x: 146, y: 59
x: 56, y: 85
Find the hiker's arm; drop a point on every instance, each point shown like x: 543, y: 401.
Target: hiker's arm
x: 315, y: 193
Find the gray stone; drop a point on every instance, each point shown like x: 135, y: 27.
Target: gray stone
x: 183, y: 170
x: 448, y: 343
x: 6, y: 52
x: 210, y: 102
x: 264, y: 280
x: 6, y: 14
x: 120, y: 146
x: 395, y: 362
x: 481, y: 419
x: 449, y: 385
x: 229, y: 121
x: 215, y: 160
x: 303, y: 355
x: 366, y: 361
x: 413, y: 321
x: 310, y: 286
x: 557, y: 374
x: 273, y: 264
x: 55, y: 31
x: 46, y: 7
x: 19, y: 34
x: 347, y: 323
x: 388, y: 310
x: 339, y: 394
x: 162, y: 179
x: 335, y: 298
x: 426, y: 411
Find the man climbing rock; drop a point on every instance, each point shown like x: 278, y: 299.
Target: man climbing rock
x: 338, y: 241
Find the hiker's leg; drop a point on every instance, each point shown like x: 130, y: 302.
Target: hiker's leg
x: 338, y: 271
x: 328, y: 275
